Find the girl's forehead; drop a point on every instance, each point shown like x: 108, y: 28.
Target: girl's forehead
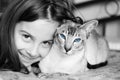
x: 39, y: 28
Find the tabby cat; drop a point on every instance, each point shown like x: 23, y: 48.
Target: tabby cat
x: 75, y: 47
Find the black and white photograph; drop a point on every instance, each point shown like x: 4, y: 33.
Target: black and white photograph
x: 59, y: 39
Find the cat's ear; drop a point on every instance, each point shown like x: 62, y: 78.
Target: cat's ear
x: 89, y: 26
x: 60, y: 28
x: 64, y: 24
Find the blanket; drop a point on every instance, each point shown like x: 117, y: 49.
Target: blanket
x: 109, y: 72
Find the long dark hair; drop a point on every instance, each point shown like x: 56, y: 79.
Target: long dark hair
x: 26, y: 10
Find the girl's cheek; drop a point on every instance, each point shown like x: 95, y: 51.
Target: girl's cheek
x: 44, y: 51
x: 22, y: 45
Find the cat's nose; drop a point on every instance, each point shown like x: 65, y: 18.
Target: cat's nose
x: 67, y: 49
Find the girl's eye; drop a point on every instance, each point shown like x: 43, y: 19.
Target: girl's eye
x: 77, y: 40
x: 47, y: 43
x: 26, y: 37
x: 62, y: 36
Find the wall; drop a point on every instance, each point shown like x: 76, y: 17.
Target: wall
x: 113, y: 34
x: 98, y: 11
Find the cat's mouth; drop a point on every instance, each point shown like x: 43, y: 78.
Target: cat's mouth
x: 67, y: 50
x: 69, y: 53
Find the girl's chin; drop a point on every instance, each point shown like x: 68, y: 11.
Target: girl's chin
x: 27, y: 61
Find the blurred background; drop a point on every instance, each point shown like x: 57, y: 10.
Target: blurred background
x: 107, y: 12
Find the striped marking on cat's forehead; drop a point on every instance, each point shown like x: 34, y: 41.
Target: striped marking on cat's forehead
x: 72, y: 30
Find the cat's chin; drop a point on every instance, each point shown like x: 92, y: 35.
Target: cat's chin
x: 69, y: 53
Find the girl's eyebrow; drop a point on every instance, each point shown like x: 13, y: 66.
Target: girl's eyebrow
x: 25, y: 32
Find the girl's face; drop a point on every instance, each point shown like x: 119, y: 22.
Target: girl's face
x: 34, y: 40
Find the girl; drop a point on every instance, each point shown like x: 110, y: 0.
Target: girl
x: 26, y: 31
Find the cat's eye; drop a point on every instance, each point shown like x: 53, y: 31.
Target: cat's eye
x: 62, y: 36
x: 77, y: 40
x: 47, y: 43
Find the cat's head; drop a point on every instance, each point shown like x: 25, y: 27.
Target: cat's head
x: 71, y: 36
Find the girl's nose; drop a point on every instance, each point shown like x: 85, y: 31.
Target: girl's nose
x: 34, y: 52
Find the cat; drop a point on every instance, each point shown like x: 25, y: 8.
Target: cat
x: 75, y: 46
